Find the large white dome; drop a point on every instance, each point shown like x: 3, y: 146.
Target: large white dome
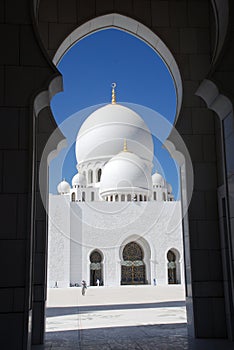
x: 125, y: 173
x: 101, y: 135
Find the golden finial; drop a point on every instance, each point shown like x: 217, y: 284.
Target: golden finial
x: 125, y: 149
x: 113, y: 99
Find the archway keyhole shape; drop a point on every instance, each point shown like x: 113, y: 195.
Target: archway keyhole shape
x: 143, y: 33
x: 140, y: 32
x: 173, y: 266
x: 96, y: 268
x: 133, y: 266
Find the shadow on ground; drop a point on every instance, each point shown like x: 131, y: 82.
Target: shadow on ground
x: 157, y: 337
x: 150, y: 337
x: 73, y: 310
x: 161, y: 337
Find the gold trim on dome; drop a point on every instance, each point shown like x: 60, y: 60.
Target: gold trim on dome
x: 113, y: 96
x: 125, y: 149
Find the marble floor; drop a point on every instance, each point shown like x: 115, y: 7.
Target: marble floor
x: 119, y: 318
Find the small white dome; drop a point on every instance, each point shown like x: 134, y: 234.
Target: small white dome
x: 63, y: 187
x: 169, y: 188
x: 79, y: 179
x: 101, y: 135
x: 157, y: 179
x: 125, y: 172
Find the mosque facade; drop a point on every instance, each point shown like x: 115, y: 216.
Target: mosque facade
x: 195, y: 40
x: 116, y: 223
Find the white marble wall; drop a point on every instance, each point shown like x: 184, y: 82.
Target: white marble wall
x: 59, y: 241
x: 108, y: 227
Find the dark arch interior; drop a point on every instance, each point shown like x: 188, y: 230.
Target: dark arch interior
x: 95, y: 257
x: 96, y: 269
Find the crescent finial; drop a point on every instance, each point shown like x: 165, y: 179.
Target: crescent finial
x: 113, y: 99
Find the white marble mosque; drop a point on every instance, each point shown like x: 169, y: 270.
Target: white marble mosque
x: 116, y: 222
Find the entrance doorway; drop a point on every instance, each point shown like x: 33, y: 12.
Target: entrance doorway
x: 96, y: 268
x: 133, y: 267
x: 171, y: 267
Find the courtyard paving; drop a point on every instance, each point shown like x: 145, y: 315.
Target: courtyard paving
x: 119, y: 318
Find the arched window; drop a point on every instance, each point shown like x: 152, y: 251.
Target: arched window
x: 83, y: 196
x: 122, y: 197
x: 73, y: 197
x: 140, y: 198
x: 129, y: 198
x: 96, y: 275
x: 164, y: 196
x: 116, y: 197
x: 155, y: 196
x: 111, y: 198
x: 99, y: 174
x: 171, y: 265
x: 145, y: 198
x: 92, y: 196
x: 90, y: 176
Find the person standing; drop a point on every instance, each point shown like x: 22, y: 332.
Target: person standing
x: 83, y: 287
x: 98, y: 282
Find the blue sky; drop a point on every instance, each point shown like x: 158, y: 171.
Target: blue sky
x: 142, y: 78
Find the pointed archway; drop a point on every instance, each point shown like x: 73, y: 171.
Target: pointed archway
x: 96, y: 268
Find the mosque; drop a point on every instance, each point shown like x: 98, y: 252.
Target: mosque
x: 116, y: 223
x: 195, y: 41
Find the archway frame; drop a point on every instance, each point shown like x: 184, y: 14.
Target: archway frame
x: 89, y: 253
x: 143, y: 33
x: 149, y: 37
x: 147, y: 254
x: 219, y: 5
x: 96, y: 250
x: 177, y: 254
